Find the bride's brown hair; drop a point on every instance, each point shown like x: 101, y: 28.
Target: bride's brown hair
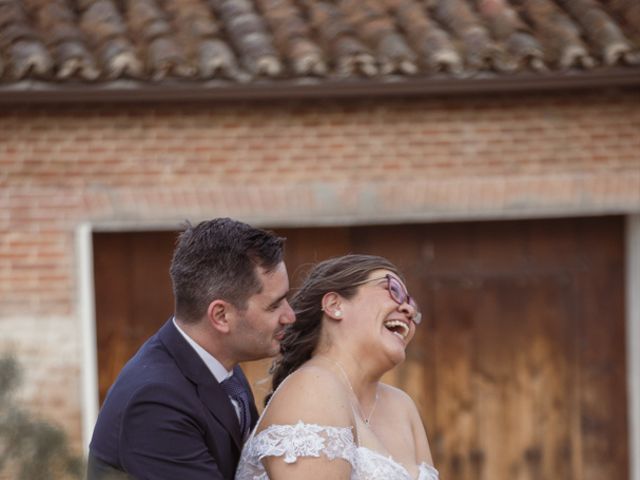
x: 342, y: 275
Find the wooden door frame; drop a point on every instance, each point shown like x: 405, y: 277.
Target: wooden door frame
x: 87, y: 317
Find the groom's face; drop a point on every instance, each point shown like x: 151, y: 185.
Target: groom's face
x: 260, y: 327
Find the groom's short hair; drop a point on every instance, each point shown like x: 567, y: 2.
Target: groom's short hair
x: 217, y: 259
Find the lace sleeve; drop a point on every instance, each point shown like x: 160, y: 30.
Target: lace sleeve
x: 304, y: 440
x: 427, y: 472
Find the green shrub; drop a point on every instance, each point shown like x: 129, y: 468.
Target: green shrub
x: 30, y: 448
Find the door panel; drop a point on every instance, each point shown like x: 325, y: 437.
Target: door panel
x: 132, y: 294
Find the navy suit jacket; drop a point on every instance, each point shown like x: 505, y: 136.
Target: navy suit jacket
x: 166, y: 417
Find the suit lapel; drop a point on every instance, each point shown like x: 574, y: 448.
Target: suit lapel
x: 220, y: 406
x: 209, y: 390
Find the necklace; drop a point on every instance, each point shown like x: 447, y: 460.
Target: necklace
x: 364, y: 417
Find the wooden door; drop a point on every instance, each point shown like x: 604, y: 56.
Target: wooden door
x: 132, y: 295
x: 518, y: 368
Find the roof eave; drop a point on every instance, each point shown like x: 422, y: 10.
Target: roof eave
x: 37, y: 92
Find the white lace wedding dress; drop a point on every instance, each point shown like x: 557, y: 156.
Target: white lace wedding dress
x: 308, y: 440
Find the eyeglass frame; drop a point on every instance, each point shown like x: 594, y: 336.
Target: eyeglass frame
x: 408, y: 299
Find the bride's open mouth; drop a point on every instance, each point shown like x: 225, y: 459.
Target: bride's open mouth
x: 398, y: 328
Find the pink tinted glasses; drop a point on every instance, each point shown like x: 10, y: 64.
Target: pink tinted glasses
x: 399, y: 294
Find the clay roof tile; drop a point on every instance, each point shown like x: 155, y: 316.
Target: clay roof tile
x: 239, y: 41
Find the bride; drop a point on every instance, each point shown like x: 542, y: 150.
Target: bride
x: 329, y: 416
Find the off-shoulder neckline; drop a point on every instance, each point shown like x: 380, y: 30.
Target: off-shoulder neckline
x: 386, y: 456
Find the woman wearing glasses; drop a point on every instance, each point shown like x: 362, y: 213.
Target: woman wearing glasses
x: 330, y: 417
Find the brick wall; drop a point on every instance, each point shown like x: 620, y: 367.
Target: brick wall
x: 314, y: 162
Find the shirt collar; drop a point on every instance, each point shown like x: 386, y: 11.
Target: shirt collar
x: 215, y: 367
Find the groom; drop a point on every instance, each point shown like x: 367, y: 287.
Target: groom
x: 181, y: 408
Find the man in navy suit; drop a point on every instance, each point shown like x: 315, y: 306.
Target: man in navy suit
x: 181, y: 407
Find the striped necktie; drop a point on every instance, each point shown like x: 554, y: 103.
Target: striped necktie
x: 234, y: 388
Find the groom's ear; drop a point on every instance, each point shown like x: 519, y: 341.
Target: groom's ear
x: 331, y: 305
x: 218, y: 314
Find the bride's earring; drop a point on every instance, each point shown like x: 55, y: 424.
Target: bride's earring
x: 338, y: 313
